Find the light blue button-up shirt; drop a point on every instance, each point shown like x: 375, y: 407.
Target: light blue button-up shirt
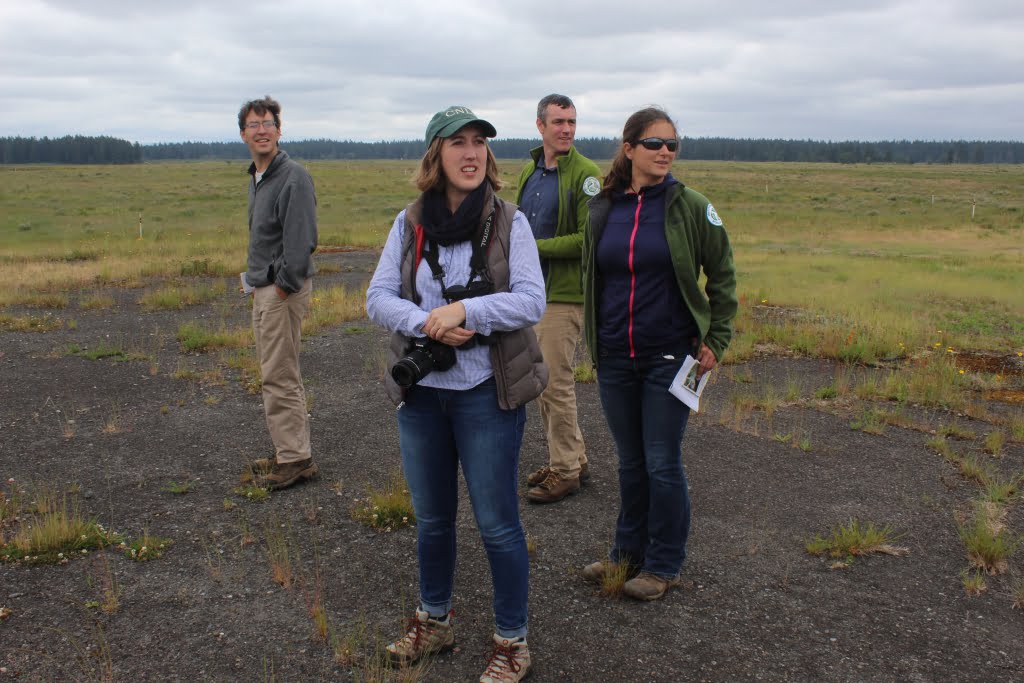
x: 522, y: 307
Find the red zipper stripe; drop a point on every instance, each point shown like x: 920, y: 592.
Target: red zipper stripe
x: 632, y: 272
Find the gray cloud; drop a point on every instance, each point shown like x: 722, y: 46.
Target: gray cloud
x: 157, y: 71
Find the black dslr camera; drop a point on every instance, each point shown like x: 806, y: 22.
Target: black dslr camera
x: 424, y: 356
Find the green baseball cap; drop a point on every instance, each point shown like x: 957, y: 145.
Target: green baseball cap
x: 449, y: 121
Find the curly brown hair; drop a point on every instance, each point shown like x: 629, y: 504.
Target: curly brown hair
x: 261, y: 107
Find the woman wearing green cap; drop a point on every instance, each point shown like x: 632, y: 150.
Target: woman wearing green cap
x: 459, y: 284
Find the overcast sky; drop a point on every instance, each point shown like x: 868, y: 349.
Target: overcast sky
x: 378, y: 69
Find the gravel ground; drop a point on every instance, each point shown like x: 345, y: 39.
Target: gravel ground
x: 754, y: 606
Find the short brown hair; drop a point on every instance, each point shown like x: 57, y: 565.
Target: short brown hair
x: 261, y: 107
x: 560, y: 101
x: 430, y: 175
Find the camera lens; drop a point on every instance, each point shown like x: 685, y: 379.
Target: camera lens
x: 411, y: 369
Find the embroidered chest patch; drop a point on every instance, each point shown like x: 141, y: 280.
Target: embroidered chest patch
x: 591, y: 186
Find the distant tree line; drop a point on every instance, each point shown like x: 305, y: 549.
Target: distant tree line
x: 106, y: 150
x: 70, y: 149
x: 711, y: 149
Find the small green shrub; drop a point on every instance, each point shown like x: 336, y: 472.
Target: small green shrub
x: 388, y: 507
x: 994, y: 441
x: 955, y: 430
x: 973, y: 582
x: 179, y: 488
x: 53, y: 531
x: 989, y: 547
x: 146, y: 547
x: 252, y: 492
x: 852, y: 539
x: 871, y: 421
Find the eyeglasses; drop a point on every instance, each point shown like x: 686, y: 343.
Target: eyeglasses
x: 255, y: 125
x: 654, y: 144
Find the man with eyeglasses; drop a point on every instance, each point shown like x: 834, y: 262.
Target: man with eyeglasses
x: 282, y: 238
x: 554, y: 188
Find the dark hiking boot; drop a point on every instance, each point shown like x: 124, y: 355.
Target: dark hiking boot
x: 553, y: 488
x: 538, y: 476
x: 283, y: 475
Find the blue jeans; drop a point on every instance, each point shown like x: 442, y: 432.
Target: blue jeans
x: 439, y: 430
x: 647, y: 423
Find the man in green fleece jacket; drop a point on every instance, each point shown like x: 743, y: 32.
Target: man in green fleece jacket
x: 282, y: 238
x: 553, y: 190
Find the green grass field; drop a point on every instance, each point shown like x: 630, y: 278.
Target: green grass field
x: 861, y: 262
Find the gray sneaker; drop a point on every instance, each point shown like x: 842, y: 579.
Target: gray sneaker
x: 425, y: 636
x: 648, y: 586
x: 509, y: 661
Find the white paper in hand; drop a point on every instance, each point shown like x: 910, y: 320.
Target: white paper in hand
x: 246, y: 287
x: 685, y: 385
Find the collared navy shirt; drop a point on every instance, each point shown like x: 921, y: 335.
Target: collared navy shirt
x: 539, y: 203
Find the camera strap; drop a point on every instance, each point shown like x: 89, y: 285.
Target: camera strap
x: 477, y: 262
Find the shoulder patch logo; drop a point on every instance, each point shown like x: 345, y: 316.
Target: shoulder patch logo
x: 713, y: 218
x: 591, y: 186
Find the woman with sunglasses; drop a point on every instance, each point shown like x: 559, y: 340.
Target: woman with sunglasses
x: 646, y: 242
x: 459, y: 284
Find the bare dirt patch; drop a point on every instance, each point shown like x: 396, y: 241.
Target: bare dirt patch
x: 755, y: 605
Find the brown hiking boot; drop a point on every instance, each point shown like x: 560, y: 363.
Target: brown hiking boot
x: 509, y: 661
x: 553, y: 488
x: 538, y: 476
x: 283, y: 475
x: 595, y: 572
x: 424, y: 636
x: 648, y: 586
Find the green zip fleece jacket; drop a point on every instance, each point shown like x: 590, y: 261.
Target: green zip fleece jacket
x: 579, y: 179
x: 696, y: 240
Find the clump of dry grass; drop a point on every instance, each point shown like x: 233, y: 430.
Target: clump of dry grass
x: 281, y: 552
x: 29, y: 323
x: 50, y: 530
x: 988, y: 542
x: 615, y: 578
x: 853, y: 539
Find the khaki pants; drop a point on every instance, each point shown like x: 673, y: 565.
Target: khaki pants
x: 558, y: 333
x: 277, y: 325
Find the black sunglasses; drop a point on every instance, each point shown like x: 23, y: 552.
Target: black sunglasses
x: 654, y: 144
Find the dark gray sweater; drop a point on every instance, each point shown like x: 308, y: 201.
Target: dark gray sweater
x: 282, y: 225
